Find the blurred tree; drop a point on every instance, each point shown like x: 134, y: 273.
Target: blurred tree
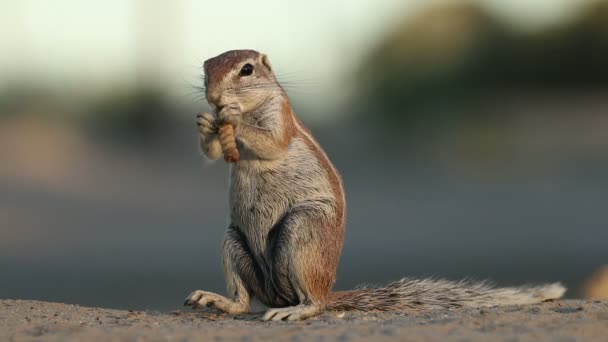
x: 433, y: 69
x: 134, y: 116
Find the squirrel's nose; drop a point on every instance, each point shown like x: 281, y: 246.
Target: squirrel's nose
x: 214, y: 96
x: 220, y: 102
x: 216, y: 103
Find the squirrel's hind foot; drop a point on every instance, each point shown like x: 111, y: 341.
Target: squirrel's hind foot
x: 292, y: 313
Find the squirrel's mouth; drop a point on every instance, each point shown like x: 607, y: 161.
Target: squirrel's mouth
x: 216, y: 109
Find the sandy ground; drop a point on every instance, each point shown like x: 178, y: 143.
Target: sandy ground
x: 569, y: 320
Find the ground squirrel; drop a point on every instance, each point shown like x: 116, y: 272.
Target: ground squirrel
x: 287, y: 211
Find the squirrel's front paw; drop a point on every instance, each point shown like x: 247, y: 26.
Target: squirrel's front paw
x: 230, y: 114
x: 200, y: 298
x: 207, y: 124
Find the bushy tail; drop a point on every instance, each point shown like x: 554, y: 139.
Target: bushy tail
x: 416, y: 295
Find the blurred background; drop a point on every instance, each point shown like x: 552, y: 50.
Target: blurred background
x: 472, y: 137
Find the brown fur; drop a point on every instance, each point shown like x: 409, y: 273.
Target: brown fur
x: 289, y: 130
x: 333, y: 176
x: 321, y: 280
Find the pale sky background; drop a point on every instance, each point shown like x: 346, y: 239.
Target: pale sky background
x: 88, y: 45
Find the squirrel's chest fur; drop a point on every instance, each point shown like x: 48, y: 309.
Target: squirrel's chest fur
x: 263, y: 192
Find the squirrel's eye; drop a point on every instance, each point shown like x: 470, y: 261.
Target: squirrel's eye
x: 246, y: 70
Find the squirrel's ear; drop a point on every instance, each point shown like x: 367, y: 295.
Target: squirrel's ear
x: 266, y: 62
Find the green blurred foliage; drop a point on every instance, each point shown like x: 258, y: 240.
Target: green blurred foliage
x: 440, y: 65
x: 22, y: 99
x: 135, y: 115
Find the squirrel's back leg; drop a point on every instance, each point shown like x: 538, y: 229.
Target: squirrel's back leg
x: 243, y: 277
x: 304, y: 250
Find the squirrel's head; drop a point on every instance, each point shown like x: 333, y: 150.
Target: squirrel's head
x: 239, y: 76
